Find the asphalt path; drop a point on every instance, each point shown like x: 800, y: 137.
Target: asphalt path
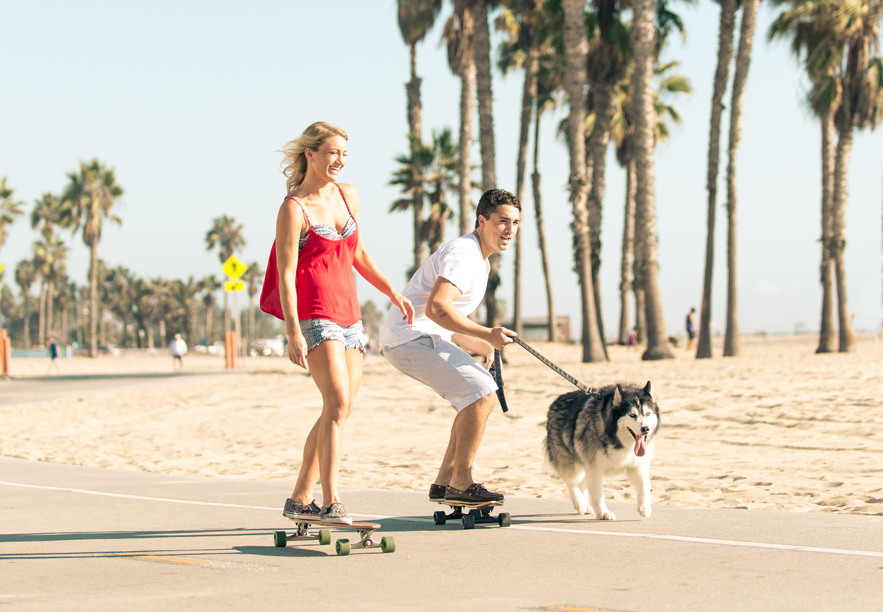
x: 82, y: 538
x: 23, y: 390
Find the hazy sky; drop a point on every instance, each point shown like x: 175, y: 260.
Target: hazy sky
x: 190, y: 102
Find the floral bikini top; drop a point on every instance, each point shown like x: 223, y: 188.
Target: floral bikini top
x: 323, y: 230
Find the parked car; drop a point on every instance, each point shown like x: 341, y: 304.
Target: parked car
x: 215, y: 348
x: 267, y: 347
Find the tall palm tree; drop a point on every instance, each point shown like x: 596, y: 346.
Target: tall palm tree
x: 643, y: 37
x: 25, y: 276
x: 740, y: 77
x: 9, y: 209
x: 576, y: 48
x: 50, y: 254
x: 226, y: 235
x: 459, y: 35
x: 47, y: 214
x: 435, y: 168
x: 416, y: 18
x: 65, y: 299
x: 726, y: 30
x: 521, y: 21
x: 121, y: 293
x: 88, y: 199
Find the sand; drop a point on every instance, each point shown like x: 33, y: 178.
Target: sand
x: 777, y: 428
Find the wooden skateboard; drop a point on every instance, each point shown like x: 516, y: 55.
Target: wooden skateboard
x: 343, y: 546
x: 478, y: 513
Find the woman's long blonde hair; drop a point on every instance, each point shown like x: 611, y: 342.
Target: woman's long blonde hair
x: 294, y: 162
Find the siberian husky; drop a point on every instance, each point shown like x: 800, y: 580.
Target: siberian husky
x: 611, y: 432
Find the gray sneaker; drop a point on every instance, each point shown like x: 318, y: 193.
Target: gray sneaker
x: 297, y: 510
x: 335, y: 513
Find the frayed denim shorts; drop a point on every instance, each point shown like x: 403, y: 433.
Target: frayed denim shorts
x: 317, y: 331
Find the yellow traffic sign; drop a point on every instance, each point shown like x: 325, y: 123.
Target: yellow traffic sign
x: 1, y: 267
x: 234, y: 268
x: 235, y: 285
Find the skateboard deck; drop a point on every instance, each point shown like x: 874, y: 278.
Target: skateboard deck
x: 479, y: 512
x: 343, y: 546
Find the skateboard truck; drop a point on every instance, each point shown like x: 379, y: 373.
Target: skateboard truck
x: 343, y: 546
x: 480, y: 513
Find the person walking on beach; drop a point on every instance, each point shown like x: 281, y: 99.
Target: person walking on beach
x: 318, y: 243
x: 445, y: 290
x: 53, y: 355
x: 690, y: 325
x: 178, y: 348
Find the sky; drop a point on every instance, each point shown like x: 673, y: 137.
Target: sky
x: 191, y: 101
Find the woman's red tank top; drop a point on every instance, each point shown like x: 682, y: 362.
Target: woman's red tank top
x: 325, y: 281
x: 326, y: 284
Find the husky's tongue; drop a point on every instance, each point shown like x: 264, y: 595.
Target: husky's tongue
x: 640, y: 449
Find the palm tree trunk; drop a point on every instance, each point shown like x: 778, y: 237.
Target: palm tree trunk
x: 93, y: 299
x: 598, y: 143
x: 838, y: 234
x: 827, y: 324
x: 541, y: 232
x: 626, y: 262
x: 485, y: 95
x: 643, y: 42
x: 528, y: 93
x: 576, y: 49
x: 464, y: 164
x: 724, y: 54
x: 415, y: 127
x: 41, y: 320
x: 50, y: 303
x: 26, y: 322
x: 740, y: 77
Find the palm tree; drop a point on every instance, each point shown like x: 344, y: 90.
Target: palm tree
x: 50, y: 254
x: 88, y: 199
x: 158, y: 305
x: 226, y: 234
x: 9, y: 209
x: 436, y: 171
x: 459, y: 34
x: 65, y: 298
x: 644, y: 47
x: 48, y: 213
x: 25, y: 277
x: 576, y: 48
x: 416, y: 18
x: 521, y: 21
x: 726, y: 29
x: 740, y: 77
x: 209, y: 285
x: 121, y: 294
x: 253, y: 278
x: 812, y: 37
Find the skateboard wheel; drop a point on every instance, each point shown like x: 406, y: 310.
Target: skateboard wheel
x: 505, y: 519
x: 280, y: 539
x: 388, y: 544
x: 440, y: 517
x: 476, y: 512
x: 324, y: 536
x: 342, y: 547
x: 468, y: 521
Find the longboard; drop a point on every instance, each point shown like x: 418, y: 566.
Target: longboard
x: 479, y: 512
x: 343, y: 547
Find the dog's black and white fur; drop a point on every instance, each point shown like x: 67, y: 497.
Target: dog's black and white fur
x: 587, y: 437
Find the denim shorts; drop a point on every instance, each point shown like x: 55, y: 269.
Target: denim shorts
x: 317, y: 331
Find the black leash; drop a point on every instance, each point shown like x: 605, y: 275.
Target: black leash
x: 497, y: 371
x: 581, y: 386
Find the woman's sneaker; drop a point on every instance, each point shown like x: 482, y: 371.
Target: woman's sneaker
x: 335, y: 513
x: 474, y: 494
x: 297, y: 510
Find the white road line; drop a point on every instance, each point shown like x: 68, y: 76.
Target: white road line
x: 581, y: 532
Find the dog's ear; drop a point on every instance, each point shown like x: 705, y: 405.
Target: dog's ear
x: 617, y: 395
x: 648, y: 390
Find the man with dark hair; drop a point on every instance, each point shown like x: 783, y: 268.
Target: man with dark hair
x: 445, y: 290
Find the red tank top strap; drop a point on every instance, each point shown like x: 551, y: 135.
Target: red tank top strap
x: 343, y: 197
x: 302, y: 209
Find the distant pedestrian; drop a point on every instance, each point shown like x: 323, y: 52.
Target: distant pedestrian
x: 178, y: 348
x: 691, y: 327
x: 633, y: 337
x: 53, y: 355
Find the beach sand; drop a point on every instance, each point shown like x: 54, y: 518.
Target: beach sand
x: 777, y: 428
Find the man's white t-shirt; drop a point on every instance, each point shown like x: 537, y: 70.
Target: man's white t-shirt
x: 459, y: 261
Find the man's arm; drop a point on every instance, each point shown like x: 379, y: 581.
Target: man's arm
x: 440, y: 310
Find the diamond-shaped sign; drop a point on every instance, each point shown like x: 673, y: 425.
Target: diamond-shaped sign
x: 233, y: 267
x: 1, y: 267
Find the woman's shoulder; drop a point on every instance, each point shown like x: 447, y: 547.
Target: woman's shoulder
x: 348, y: 190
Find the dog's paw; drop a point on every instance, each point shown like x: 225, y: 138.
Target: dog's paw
x: 645, y: 510
x: 607, y: 516
x: 581, y: 509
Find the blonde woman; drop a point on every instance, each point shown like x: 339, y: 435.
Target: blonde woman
x: 318, y: 243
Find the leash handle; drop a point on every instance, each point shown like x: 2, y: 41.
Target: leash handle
x: 498, y: 378
x: 581, y: 386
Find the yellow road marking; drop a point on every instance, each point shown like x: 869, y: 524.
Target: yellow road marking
x: 169, y: 559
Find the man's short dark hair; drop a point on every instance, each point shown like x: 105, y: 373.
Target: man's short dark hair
x: 493, y: 199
